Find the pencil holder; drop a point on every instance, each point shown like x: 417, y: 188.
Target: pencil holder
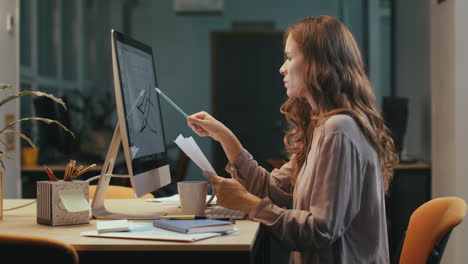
x: 62, y: 202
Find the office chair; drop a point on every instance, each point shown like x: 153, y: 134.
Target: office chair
x: 429, y: 229
x: 118, y: 192
x: 181, y: 167
x: 24, y: 248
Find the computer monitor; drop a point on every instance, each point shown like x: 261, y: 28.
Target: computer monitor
x: 139, y: 127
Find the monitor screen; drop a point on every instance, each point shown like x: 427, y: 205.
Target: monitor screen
x: 141, y: 107
x: 139, y: 128
x: 141, y: 110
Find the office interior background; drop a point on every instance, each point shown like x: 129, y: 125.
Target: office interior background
x: 224, y: 59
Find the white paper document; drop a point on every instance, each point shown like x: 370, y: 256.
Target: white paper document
x: 155, y: 234
x: 191, y: 149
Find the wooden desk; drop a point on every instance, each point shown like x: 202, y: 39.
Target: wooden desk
x: 244, y: 246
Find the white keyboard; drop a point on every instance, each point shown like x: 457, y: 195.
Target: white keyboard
x: 219, y: 212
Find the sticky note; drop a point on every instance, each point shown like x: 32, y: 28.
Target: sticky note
x: 112, y: 226
x: 74, y: 200
x: 121, y: 226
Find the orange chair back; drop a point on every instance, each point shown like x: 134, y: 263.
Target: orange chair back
x: 428, y: 225
x: 118, y: 192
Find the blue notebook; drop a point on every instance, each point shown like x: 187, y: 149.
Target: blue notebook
x: 195, y: 226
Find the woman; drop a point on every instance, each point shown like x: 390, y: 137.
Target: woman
x: 342, y: 154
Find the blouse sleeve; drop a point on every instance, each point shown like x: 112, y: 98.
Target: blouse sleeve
x: 333, y: 194
x: 258, y: 181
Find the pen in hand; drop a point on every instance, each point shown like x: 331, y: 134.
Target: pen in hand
x: 171, y: 102
x: 176, y: 107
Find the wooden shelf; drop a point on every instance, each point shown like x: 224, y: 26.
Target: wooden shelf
x: 413, y: 166
x: 56, y: 167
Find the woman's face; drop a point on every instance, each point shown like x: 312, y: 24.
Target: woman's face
x: 293, y: 69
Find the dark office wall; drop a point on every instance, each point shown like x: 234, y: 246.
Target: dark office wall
x: 412, y: 73
x: 248, y: 91
x: 182, y: 48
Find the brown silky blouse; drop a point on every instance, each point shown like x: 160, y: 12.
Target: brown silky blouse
x: 338, y: 201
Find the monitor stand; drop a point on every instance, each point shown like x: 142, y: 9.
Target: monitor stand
x: 99, y: 209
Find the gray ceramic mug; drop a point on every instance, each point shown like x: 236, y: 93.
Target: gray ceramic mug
x: 192, y: 196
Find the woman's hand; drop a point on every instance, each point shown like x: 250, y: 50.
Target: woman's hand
x: 231, y: 194
x: 204, y: 124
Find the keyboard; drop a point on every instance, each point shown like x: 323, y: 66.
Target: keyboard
x: 219, y: 212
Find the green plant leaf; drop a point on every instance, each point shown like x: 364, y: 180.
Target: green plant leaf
x: 2, y: 165
x: 45, y: 120
x: 21, y: 135
x: 3, y: 155
x: 5, y: 86
x: 38, y: 93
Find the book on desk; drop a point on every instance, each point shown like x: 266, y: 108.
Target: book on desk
x: 195, y: 225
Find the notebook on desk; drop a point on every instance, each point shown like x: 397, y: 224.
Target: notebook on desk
x: 195, y: 225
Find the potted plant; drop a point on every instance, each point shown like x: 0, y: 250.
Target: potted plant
x: 9, y: 128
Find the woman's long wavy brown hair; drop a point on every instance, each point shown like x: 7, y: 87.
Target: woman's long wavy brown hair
x: 336, y: 80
